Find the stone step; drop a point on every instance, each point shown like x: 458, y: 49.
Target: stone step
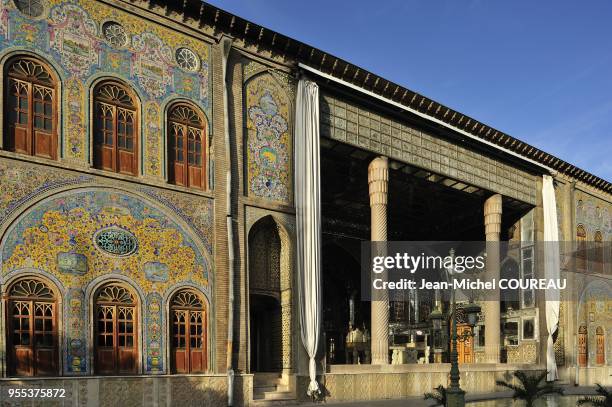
x: 262, y: 388
x: 274, y: 395
x: 265, y: 378
x: 273, y: 403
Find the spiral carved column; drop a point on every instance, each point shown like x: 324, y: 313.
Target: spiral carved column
x: 493, y: 218
x: 378, y: 181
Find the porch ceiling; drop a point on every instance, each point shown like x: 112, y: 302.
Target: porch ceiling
x: 422, y: 205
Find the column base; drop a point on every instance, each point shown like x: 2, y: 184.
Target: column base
x: 492, y: 354
x: 455, y: 398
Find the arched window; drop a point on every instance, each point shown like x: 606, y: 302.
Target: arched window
x: 30, y: 109
x: 116, y: 340
x: 581, y: 249
x: 583, y: 347
x: 188, y: 332
x: 186, y: 146
x: 32, y: 329
x: 601, y: 346
x: 115, y: 128
x: 598, y: 247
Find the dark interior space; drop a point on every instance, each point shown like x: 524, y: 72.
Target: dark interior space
x: 422, y: 206
x: 265, y: 333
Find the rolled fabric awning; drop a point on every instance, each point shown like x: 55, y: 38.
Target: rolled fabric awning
x: 308, y: 221
x: 551, y: 271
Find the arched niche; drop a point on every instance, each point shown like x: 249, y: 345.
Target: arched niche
x: 270, y: 276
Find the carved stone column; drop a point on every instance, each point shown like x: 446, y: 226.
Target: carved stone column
x: 493, y: 218
x: 378, y: 181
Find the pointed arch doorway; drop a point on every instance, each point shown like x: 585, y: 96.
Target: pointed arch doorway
x: 269, y: 309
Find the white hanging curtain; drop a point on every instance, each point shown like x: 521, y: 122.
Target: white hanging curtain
x: 551, y: 270
x: 308, y: 220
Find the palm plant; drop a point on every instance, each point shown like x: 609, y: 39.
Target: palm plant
x: 603, y: 399
x: 439, y: 396
x: 531, y: 387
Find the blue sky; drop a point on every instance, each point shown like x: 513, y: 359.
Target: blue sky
x: 540, y: 71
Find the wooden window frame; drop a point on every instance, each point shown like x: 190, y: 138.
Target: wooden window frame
x: 598, y: 249
x: 583, y: 346
x: 181, y: 171
x: 600, y: 344
x: 34, y: 367
x: 581, y: 249
x: 188, y: 352
x: 111, y: 157
x: 33, y: 136
x: 115, y: 351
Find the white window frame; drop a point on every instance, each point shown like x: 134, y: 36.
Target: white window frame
x: 527, y: 245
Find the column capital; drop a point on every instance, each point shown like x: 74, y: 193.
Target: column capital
x: 493, y: 215
x: 493, y: 205
x: 378, y: 179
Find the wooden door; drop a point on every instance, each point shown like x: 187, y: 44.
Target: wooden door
x: 32, y: 339
x: 115, y: 139
x: 105, y: 137
x: 189, y: 341
x: 583, y: 357
x: 601, y: 346
x: 116, y: 347
x: 126, y: 159
x: 194, y: 157
x: 465, y: 348
x: 177, y: 147
x: 19, y: 119
x: 43, y: 142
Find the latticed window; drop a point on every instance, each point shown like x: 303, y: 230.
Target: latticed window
x: 583, y: 347
x: 115, y: 34
x: 187, y: 146
x: 188, y: 315
x: 31, y: 8
x: 115, y: 330
x: 30, y: 109
x: 264, y: 257
x: 598, y: 251
x: 600, y: 342
x: 32, y: 332
x: 187, y: 59
x: 581, y: 249
x: 115, y: 124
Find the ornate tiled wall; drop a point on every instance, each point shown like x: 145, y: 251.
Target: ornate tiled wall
x: 353, y: 124
x: 594, y: 214
x: 595, y: 307
x: 595, y: 310
x: 269, y: 146
x: 69, y: 36
x: 49, y: 220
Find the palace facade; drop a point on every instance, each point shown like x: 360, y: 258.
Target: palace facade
x: 147, y: 158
